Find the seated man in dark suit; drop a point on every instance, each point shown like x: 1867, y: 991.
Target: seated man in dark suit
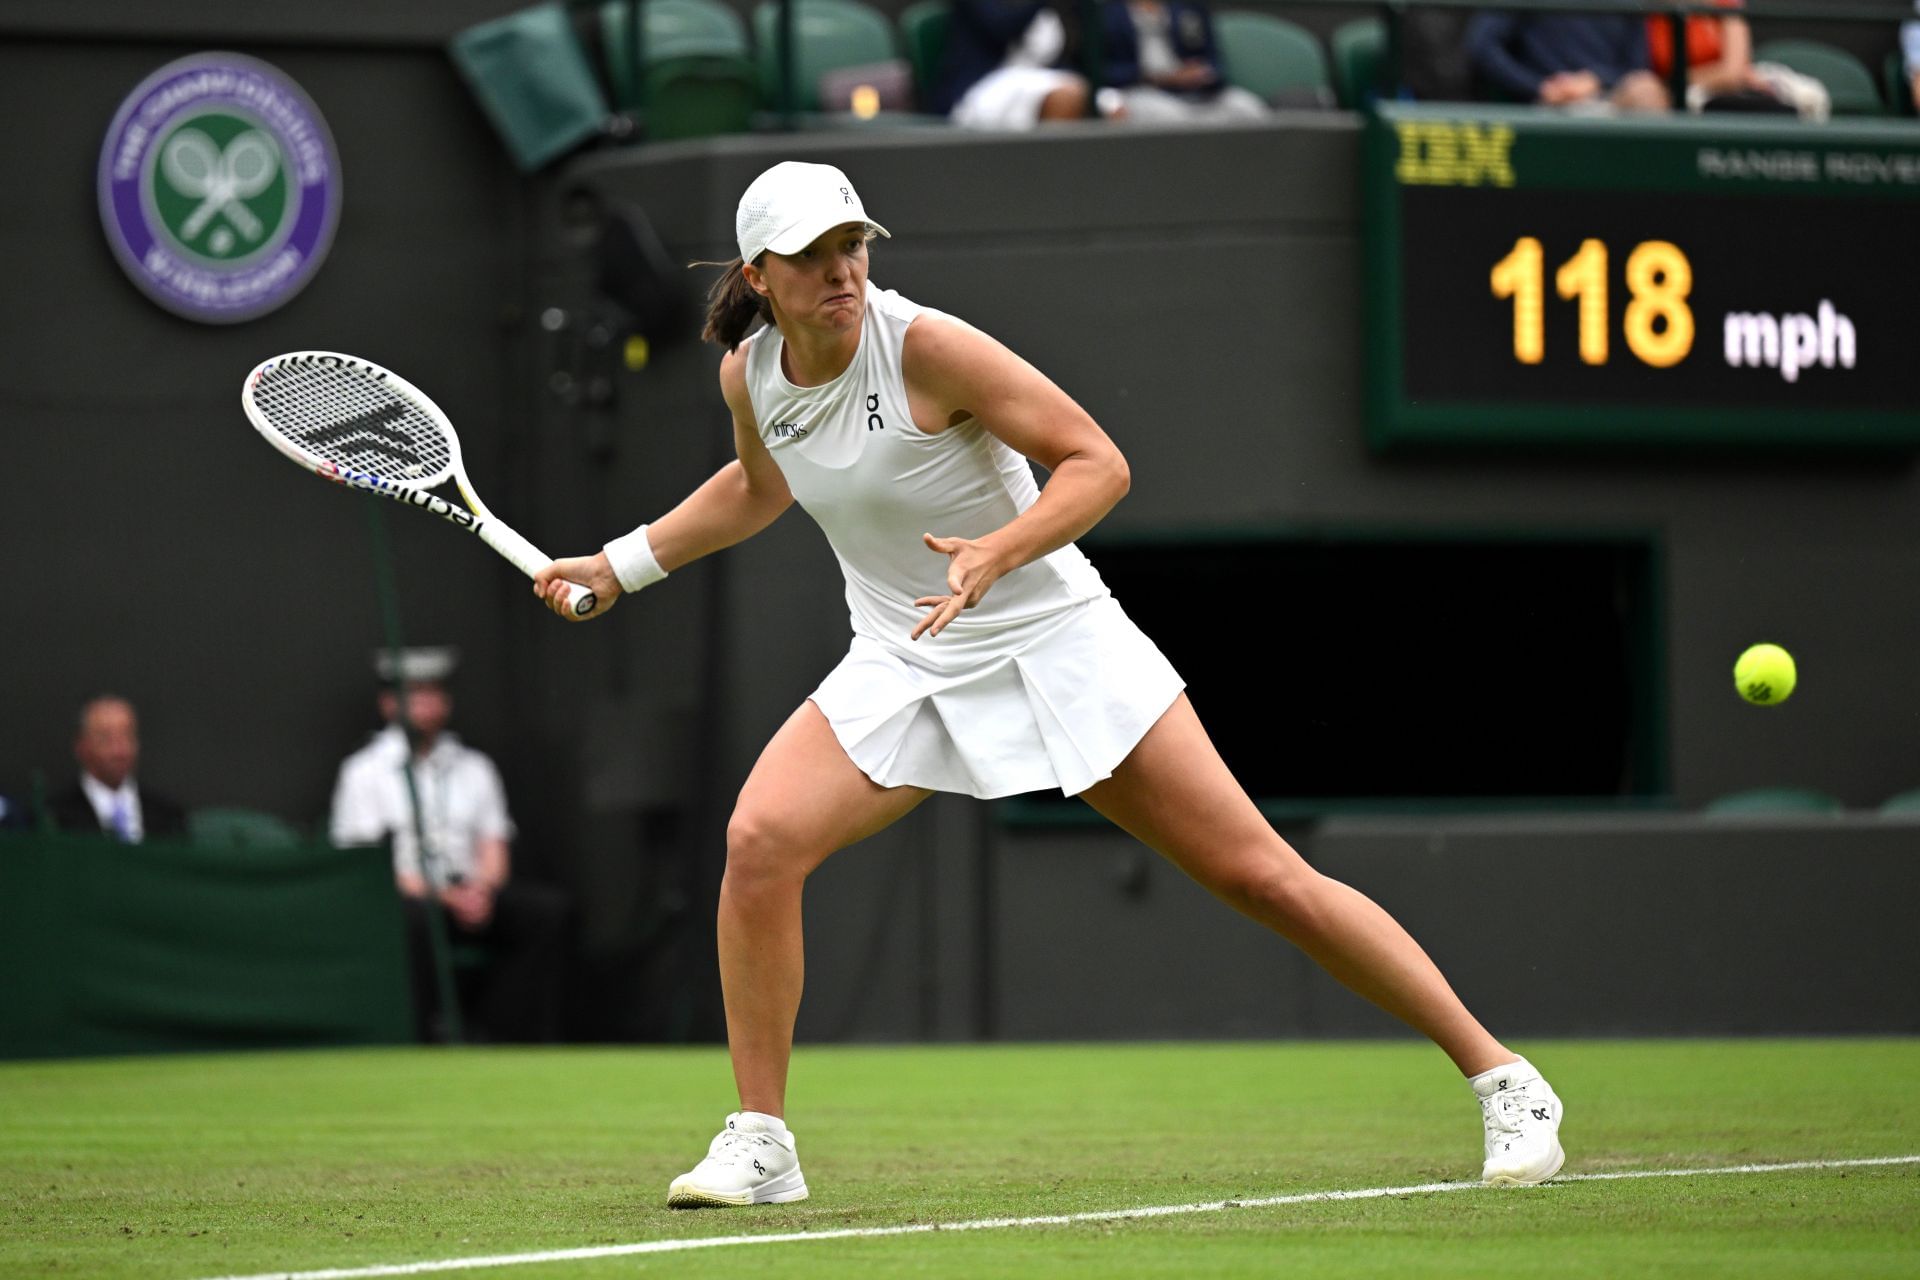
x: 106, y: 799
x: 1580, y: 61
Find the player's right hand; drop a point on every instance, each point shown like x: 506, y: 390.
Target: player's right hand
x: 592, y: 572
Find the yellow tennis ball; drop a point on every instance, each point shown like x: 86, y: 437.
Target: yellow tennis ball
x: 1765, y: 675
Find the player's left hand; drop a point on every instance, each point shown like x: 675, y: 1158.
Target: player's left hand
x: 972, y: 568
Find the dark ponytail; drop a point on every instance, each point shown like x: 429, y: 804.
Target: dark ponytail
x: 732, y: 306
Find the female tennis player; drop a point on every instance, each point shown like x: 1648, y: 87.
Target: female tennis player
x: 987, y: 657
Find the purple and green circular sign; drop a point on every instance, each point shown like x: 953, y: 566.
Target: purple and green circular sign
x: 219, y: 187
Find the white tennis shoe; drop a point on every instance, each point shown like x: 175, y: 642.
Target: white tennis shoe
x: 1522, y: 1115
x: 752, y: 1161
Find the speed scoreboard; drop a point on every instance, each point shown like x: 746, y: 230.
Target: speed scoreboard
x: 1540, y: 278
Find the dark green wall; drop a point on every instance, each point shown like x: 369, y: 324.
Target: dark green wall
x: 1198, y: 292
x: 1544, y: 926
x: 156, y: 547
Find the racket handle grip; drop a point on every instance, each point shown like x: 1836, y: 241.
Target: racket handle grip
x: 581, y: 602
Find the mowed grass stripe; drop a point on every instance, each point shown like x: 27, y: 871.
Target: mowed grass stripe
x: 245, y: 1164
x: 1047, y: 1220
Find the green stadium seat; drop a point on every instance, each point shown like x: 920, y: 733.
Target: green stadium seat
x: 828, y: 35
x: 533, y: 81
x: 1277, y: 61
x: 697, y: 97
x: 1849, y: 83
x: 1359, y: 47
x: 675, y: 29
x: 923, y: 30
x: 242, y: 829
x: 700, y: 79
x: 1907, y: 802
x: 1763, y: 801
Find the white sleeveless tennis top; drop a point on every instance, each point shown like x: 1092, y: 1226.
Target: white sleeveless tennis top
x: 875, y: 482
x: 1044, y: 683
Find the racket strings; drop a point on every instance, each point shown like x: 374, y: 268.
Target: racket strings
x: 355, y: 422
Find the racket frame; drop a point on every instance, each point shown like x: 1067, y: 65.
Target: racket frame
x: 475, y: 518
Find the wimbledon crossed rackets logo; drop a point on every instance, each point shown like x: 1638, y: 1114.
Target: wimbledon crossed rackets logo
x: 219, y: 188
x: 212, y: 185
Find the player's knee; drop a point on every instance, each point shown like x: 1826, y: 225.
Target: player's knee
x: 760, y: 852
x: 1284, y: 897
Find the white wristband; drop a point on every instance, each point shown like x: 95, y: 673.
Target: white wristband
x: 632, y: 559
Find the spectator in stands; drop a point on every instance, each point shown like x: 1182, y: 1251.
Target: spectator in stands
x: 1573, y: 60
x: 1720, y: 71
x: 1163, y: 60
x: 1910, y: 52
x: 466, y: 869
x: 106, y: 799
x: 1007, y: 65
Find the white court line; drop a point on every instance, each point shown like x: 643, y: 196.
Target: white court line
x: 996, y: 1224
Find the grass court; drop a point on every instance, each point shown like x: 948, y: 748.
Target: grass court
x: 190, y: 1167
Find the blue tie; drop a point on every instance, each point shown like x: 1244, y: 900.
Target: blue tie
x: 122, y: 819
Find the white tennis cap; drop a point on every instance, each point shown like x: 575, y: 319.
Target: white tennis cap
x: 792, y: 204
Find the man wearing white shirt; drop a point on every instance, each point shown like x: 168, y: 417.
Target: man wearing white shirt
x: 467, y: 865
x: 107, y: 799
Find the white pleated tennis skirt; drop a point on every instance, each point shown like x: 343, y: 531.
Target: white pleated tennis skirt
x: 1061, y: 710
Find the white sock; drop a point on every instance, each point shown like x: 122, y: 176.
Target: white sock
x: 774, y: 1124
x: 1495, y: 1079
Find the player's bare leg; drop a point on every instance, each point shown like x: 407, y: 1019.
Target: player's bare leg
x: 1176, y: 795
x: 803, y: 800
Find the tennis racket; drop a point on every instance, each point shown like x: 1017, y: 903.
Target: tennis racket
x: 350, y: 421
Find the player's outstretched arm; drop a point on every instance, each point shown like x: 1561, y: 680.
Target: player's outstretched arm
x: 736, y: 502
